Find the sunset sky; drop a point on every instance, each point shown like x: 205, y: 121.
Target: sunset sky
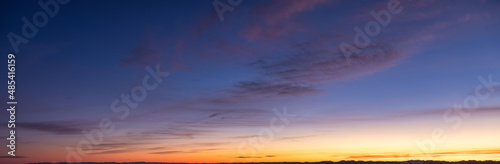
x: 267, y: 83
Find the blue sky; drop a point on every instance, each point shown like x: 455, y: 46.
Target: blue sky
x: 227, y: 75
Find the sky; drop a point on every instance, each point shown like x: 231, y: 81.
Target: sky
x: 254, y: 80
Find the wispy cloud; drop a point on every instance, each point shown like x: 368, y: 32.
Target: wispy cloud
x: 435, y: 154
x: 276, y: 18
x: 111, y: 152
x: 13, y: 156
x: 310, y: 64
x: 276, y: 89
x: 55, y: 127
x: 183, y: 152
x: 296, y: 137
